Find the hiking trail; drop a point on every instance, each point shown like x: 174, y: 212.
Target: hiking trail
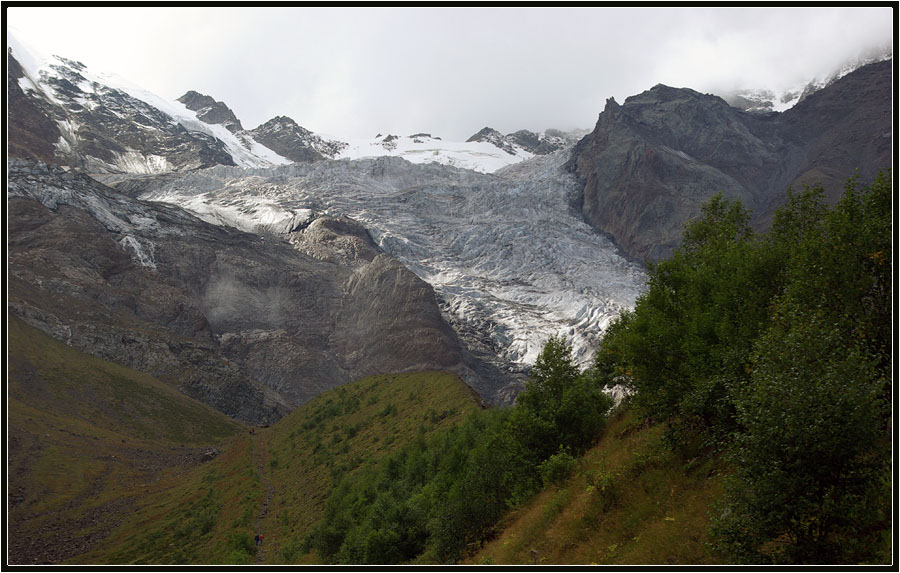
x: 260, y: 456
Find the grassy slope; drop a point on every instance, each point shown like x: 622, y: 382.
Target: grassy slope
x: 341, y: 431
x: 104, y: 464
x: 632, y: 502
x: 87, y: 439
x: 178, y: 509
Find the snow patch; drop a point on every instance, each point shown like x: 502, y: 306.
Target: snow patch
x: 141, y: 255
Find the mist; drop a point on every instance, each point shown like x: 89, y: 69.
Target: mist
x: 355, y: 72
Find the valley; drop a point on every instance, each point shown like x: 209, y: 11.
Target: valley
x: 556, y: 347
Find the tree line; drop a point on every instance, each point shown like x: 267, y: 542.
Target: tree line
x: 775, y: 349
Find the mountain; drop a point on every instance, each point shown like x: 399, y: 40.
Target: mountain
x: 282, y: 135
x: 524, y: 141
x: 483, y: 294
x: 248, y: 323
x: 652, y: 161
x: 764, y: 100
x: 101, y: 123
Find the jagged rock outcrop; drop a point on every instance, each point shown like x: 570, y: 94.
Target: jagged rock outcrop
x: 247, y: 323
x: 283, y: 136
x: 522, y: 140
x: 651, y: 162
x: 211, y: 111
x: 72, y: 120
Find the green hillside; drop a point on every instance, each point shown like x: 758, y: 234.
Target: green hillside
x: 630, y: 501
x: 87, y: 439
x: 343, y: 431
x: 109, y: 465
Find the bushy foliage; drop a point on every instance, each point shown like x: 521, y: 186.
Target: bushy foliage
x: 776, y: 347
x: 438, y: 497
x: 687, y: 344
x: 557, y: 468
x: 813, y: 451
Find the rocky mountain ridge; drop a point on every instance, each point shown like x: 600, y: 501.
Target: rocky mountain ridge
x: 211, y: 111
x: 652, y: 161
x: 524, y: 140
x: 252, y: 325
x: 765, y: 100
x: 103, y: 124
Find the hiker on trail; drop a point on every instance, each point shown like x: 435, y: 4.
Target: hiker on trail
x: 260, y: 538
x: 256, y: 538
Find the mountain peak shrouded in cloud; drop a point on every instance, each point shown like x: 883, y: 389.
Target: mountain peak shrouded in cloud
x: 450, y: 71
x: 69, y: 114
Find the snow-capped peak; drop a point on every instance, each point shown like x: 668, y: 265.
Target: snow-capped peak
x: 762, y: 100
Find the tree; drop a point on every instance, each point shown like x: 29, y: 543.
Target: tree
x: 813, y: 450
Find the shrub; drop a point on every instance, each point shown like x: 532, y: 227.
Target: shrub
x: 556, y: 469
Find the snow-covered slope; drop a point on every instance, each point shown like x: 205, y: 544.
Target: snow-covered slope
x: 111, y: 124
x: 425, y: 148
x: 783, y: 98
x: 511, y: 261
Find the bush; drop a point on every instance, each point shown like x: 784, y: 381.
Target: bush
x: 556, y: 469
x: 776, y: 349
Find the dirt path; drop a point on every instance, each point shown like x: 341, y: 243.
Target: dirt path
x: 260, y: 458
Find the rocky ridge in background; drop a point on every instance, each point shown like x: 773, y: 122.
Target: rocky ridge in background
x: 282, y: 135
x: 651, y: 162
x: 534, y: 143
x: 211, y: 111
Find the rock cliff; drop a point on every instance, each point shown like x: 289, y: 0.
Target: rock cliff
x: 651, y: 162
x: 248, y: 323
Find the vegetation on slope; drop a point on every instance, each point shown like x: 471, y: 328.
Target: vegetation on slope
x: 274, y: 480
x: 776, y: 349
x: 347, y: 431
x: 440, y: 496
x: 86, y: 439
x: 629, y: 500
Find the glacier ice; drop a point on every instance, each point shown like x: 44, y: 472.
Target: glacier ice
x: 508, y: 256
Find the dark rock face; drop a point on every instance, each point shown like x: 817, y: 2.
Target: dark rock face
x: 493, y: 136
x: 283, y: 136
x: 535, y: 143
x: 652, y: 162
x: 252, y: 325
x: 107, y: 130
x: 211, y: 111
x: 31, y: 133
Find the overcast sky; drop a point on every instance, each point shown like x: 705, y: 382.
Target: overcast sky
x: 355, y: 72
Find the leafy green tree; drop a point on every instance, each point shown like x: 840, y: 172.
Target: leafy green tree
x: 812, y: 456
x: 560, y: 406
x: 686, y: 347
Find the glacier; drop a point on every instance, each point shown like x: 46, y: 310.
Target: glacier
x: 509, y: 257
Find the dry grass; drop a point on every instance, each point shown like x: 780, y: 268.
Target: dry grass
x: 632, y: 502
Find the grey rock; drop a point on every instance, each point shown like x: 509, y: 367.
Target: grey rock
x: 211, y: 111
x: 283, y: 136
x: 246, y: 323
x: 651, y: 162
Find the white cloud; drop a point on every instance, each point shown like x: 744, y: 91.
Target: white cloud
x: 448, y: 71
